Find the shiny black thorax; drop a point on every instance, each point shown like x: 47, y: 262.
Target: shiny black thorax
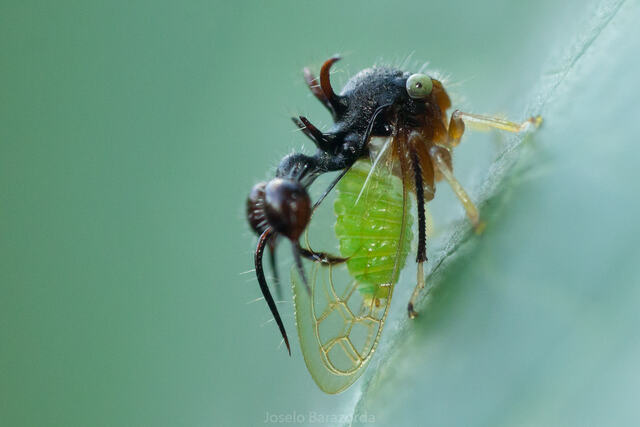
x: 372, y: 103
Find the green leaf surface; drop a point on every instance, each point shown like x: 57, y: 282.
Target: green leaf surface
x: 536, y: 321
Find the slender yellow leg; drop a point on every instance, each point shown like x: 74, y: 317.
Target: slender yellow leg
x: 459, y: 118
x: 496, y: 122
x: 438, y: 156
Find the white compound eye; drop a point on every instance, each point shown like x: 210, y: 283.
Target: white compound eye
x: 419, y: 86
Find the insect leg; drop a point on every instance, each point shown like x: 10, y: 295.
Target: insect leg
x: 416, y: 292
x: 496, y: 122
x: 456, y: 129
x: 321, y: 257
x: 297, y: 257
x: 438, y: 154
x: 421, y: 256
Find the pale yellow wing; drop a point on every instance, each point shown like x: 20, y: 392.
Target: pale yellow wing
x: 340, y: 323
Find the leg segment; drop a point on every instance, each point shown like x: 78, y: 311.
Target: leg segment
x: 297, y: 257
x: 421, y: 256
x: 456, y: 129
x: 496, y: 122
x: 459, y: 118
x: 416, y: 292
x: 438, y: 155
x: 422, y: 239
x: 321, y: 257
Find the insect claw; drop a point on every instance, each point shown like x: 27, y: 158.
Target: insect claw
x: 411, y: 312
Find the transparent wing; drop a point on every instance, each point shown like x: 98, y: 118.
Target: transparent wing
x: 340, y: 323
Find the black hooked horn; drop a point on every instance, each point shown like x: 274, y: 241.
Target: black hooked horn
x: 325, y: 84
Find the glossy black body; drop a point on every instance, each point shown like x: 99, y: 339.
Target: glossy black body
x: 369, y: 105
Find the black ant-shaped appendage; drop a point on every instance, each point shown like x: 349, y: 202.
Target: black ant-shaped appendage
x: 323, y: 90
x: 282, y: 207
x: 279, y: 207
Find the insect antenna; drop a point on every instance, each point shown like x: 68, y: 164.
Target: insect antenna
x: 262, y: 243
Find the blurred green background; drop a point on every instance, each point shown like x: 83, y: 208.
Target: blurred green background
x: 131, y: 133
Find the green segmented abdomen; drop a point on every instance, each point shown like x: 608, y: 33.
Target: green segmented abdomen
x: 371, y: 230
